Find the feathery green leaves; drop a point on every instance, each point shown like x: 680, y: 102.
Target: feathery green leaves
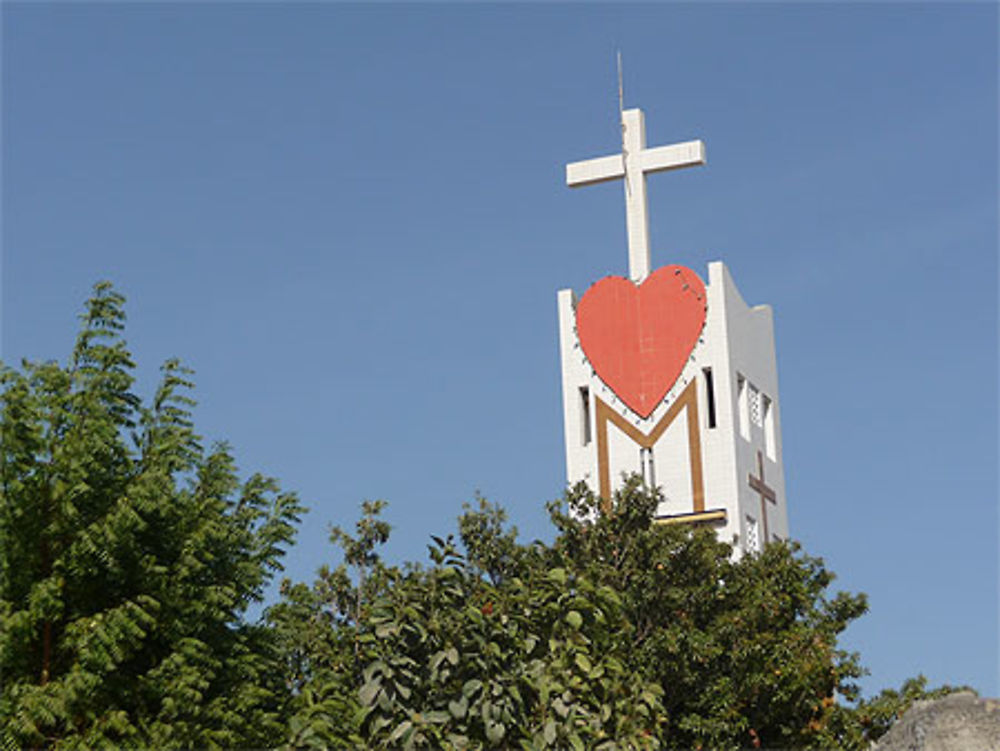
x: 128, y: 556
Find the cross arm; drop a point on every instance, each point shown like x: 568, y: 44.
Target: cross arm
x: 763, y: 489
x: 594, y: 171
x: 675, y: 156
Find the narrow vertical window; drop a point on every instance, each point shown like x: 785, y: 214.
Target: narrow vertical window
x: 648, y: 470
x: 753, y: 536
x: 769, y: 428
x: 584, y: 416
x: 709, y: 396
x: 754, y: 399
x: 743, y: 406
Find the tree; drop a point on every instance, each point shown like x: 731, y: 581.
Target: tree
x: 620, y: 634
x: 745, y: 651
x: 446, y: 656
x: 128, y: 558
x: 536, y: 662
x: 319, y: 630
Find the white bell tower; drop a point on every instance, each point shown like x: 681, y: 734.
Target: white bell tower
x: 671, y: 377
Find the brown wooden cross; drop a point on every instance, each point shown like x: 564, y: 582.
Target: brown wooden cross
x: 766, y: 493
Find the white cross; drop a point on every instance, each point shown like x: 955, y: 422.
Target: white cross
x: 633, y: 164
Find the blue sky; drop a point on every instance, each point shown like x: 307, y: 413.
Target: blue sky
x: 351, y: 221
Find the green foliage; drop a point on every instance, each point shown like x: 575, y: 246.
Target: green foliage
x: 128, y: 555
x: 448, y: 657
x: 457, y: 662
x: 620, y: 634
x: 319, y: 629
x: 745, y: 651
x: 492, y: 550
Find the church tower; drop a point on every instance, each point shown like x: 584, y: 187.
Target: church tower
x: 672, y: 377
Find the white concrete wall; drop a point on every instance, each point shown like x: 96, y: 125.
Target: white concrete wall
x: 672, y: 461
x: 749, y: 338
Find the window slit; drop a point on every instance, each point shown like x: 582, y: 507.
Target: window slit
x: 710, y: 396
x: 585, y: 436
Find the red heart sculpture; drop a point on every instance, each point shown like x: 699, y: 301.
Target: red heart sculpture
x: 638, y: 337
